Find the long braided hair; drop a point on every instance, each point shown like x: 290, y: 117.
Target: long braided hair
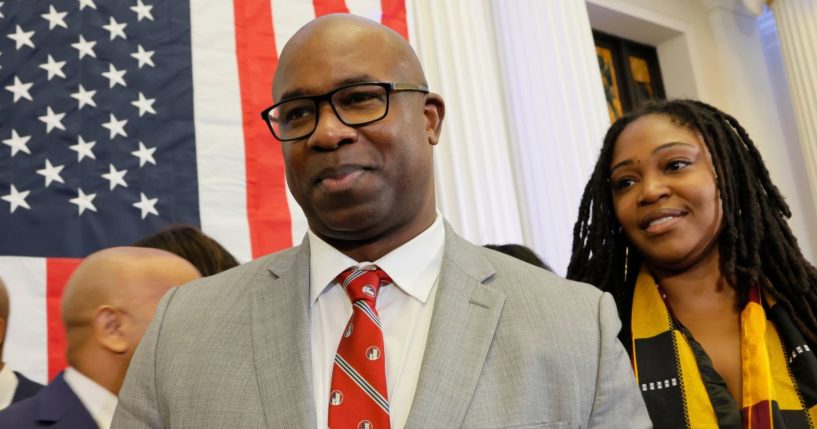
x: 756, y: 245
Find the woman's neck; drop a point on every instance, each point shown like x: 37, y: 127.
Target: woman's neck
x: 701, y: 291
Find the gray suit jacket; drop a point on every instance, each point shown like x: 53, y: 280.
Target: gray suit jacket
x: 510, y: 345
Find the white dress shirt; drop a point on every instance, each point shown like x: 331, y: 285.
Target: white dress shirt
x: 8, y: 385
x: 405, y: 314
x: 99, y: 402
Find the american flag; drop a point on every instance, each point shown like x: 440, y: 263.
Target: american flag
x: 119, y: 117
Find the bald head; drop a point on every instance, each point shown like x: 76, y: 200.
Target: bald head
x: 109, y: 302
x: 122, y: 276
x: 4, y: 301
x: 331, y: 38
x: 4, y: 317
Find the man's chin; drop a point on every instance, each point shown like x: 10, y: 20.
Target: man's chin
x: 350, y: 227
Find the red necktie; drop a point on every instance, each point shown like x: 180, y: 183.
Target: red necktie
x: 358, y: 397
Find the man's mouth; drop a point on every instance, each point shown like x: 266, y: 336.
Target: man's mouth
x: 339, y: 179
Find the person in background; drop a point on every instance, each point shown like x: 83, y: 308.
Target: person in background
x: 14, y: 387
x: 206, y: 254
x: 383, y: 317
x: 106, y: 307
x: 681, y: 222
x: 520, y: 252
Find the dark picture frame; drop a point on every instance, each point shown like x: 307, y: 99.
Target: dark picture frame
x: 630, y: 73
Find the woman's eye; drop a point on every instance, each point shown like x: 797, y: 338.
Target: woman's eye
x: 677, y: 164
x: 623, y: 183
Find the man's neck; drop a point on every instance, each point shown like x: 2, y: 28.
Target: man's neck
x: 374, y: 248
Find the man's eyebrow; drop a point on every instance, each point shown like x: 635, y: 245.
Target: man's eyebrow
x: 663, y: 147
x: 351, y: 80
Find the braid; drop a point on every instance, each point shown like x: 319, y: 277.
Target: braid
x: 756, y: 244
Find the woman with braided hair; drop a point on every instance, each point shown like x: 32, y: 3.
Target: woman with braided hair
x: 681, y: 223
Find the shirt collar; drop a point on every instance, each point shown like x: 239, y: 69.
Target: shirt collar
x: 414, y: 266
x: 100, y: 403
x: 8, y: 385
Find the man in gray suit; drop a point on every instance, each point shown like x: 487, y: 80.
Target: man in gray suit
x: 472, y: 338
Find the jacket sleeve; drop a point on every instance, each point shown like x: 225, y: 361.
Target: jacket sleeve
x: 617, y: 402
x: 138, y: 406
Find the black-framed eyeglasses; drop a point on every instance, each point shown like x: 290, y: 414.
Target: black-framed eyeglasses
x: 355, y: 105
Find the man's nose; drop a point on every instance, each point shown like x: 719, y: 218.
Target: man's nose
x: 653, y: 189
x: 330, y: 132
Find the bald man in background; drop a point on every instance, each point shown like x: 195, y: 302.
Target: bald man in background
x: 14, y: 387
x: 106, y: 307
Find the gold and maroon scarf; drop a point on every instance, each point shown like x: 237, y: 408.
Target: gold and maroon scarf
x: 682, y: 389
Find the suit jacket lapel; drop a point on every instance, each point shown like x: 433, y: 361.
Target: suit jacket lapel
x: 280, y: 331
x: 58, y: 403
x: 463, y: 322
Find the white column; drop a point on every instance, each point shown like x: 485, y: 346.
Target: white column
x: 557, y: 114
x: 750, y: 97
x: 475, y: 182
x: 797, y: 30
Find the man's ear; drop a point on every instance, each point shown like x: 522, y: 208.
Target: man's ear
x: 434, y: 112
x: 108, y: 330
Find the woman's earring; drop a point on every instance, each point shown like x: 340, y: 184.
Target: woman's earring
x: 626, y: 261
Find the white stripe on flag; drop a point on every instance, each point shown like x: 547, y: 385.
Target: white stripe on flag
x: 288, y: 16
x: 366, y: 8
x: 219, y: 128
x: 26, y: 346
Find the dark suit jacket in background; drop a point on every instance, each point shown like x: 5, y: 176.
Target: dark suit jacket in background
x: 25, y: 388
x: 55, y: 406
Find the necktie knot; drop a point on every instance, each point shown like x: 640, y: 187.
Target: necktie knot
x: 364, y: 283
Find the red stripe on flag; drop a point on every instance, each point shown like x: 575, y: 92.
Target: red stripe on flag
x: 394, y: 16
x: 325, y: 7
x: 58, y: 270
x: 267, y: 210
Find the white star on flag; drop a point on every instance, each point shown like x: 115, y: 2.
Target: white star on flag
x: 83, y: 201
x: 116, y: 29
x: 115, y: 76
x: 55, y: 18
x: 143, y: 56
x: 17, y: 199
x: 84, y: 97
x: 142, y: 11
x: 115, y: 177
x: 84, y: 47
x: 147, y: 205
x: 83, y: 149
x: 144, y: 154
x: 1, y: 13
x: 88, y: 3
x: 52, y: 120
x: 51, y: 173
x: 18, y: 143
x: 54, y: 68
x: 23, y: 38
x: 20, y: 89
x: 144, y: 104
x: 116, y: 127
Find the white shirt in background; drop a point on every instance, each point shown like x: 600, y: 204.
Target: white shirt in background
x: 99, y: 402
x: 404, y: 307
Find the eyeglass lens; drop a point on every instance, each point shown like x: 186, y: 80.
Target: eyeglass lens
x: 354, y: 105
